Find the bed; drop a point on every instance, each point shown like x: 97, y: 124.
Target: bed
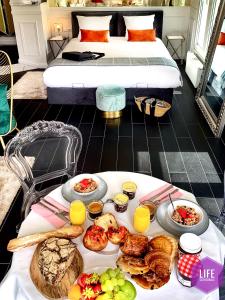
x: 76, y: 84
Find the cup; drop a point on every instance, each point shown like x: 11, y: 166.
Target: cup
x: 120, y: 202
x: 95, y: 209
x: 152, y: 209
x: 129, y: 188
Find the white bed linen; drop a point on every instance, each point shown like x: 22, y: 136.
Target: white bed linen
x: 218, y: 64
x: 126, y: 76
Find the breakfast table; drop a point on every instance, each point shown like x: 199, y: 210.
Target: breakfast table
x: 17, y: 284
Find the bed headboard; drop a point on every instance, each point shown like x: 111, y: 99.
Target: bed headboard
x: 117, y: 24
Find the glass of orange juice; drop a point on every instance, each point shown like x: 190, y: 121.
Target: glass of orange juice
x: 77, y: 212
x: 141, y: 218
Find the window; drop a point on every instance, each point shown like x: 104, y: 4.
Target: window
x: 206, y: 18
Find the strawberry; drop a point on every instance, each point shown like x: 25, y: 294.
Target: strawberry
x: 97, y: 288
x: 190, y: 216
x: 84, y: 182
x: 88, y: 293
x: 83, y: 279
x: 182, y: 212
x: 93, y: 279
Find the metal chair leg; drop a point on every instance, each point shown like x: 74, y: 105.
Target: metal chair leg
x: 17, y: 129
x: 2, y: 142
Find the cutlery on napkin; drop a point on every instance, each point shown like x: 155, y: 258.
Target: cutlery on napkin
x: 54, y: 212
x: 161, y: 194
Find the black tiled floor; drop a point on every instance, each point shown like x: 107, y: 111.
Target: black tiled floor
x: 177, y: 148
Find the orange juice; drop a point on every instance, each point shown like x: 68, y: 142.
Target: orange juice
x: 141, y: 219
x: 77, y: 212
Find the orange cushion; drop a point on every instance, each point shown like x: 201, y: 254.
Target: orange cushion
x: 147, y: 35
x: 221, y: 40
x: 94, y: 35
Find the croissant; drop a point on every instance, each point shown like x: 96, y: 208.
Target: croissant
x: 132, y: 265
x: 164, y: 243
x: 159, y: 263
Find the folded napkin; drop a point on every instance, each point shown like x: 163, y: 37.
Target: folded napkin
x: 163, y: 194
x: 49, y: 215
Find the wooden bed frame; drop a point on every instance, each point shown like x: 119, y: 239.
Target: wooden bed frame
x: 86, y: 96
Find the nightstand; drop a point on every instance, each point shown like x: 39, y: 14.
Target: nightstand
x: 170, y: 39
x: 57, y: 45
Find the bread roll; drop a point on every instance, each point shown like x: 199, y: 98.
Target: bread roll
x: 33, y: 239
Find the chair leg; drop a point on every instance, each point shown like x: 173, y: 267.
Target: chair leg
x: 17, y: 129
x: 2, y: 142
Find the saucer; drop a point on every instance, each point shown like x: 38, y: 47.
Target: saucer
x: 166, y: 223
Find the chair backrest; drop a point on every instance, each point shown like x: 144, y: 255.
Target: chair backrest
x: 6, y: 77
x: 53, y: 148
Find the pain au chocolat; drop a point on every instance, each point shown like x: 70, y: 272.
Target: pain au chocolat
x: 135, y: 245
x: 132, y: 265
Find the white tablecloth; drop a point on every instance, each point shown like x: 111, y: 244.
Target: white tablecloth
x: 17, y: 284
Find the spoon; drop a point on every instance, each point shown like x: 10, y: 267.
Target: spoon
x: 171, y: 202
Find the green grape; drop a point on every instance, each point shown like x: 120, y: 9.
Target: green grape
x: 117, y: 270
x: 120, y: 276
x: 109, y: 285
x: 104, y: 287
x: 108, y: 271
x: 114, y: 281
x: 116, y: 289
x: 112, y: 273
x: 120, y: 296
x: 104, y: 276
x: 121, y: 282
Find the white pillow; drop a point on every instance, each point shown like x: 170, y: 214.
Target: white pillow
x: 139, y: 22
x: 93, y: 23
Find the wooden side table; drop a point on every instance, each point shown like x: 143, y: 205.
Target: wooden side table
x: 57, y: 45
x: 169, y: 43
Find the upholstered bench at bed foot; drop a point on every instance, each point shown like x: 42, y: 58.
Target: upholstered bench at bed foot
x: 110, y: 99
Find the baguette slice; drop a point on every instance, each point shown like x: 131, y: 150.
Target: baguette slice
x: 30, y: 240
x: 105, y: 221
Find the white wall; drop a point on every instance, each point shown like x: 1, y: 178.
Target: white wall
x: 193, y: 22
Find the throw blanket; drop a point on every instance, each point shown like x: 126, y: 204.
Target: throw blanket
x: 117, y: 61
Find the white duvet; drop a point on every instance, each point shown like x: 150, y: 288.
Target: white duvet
x: 126, y: 76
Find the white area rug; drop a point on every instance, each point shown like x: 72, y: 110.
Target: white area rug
x: 30, y: 86
x: 9, y: 186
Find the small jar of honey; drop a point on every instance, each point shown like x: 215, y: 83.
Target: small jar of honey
x: 129, y: 188
x: 95, y: 209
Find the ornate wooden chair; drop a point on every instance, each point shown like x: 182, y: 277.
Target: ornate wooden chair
x: 7, y: 120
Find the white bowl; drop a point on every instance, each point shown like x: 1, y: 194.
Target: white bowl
x: 80, y: 177
x: 185, y: 203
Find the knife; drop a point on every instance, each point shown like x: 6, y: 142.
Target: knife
x: 58, y: 214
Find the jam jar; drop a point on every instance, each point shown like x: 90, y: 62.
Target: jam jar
x: 189, y: 250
